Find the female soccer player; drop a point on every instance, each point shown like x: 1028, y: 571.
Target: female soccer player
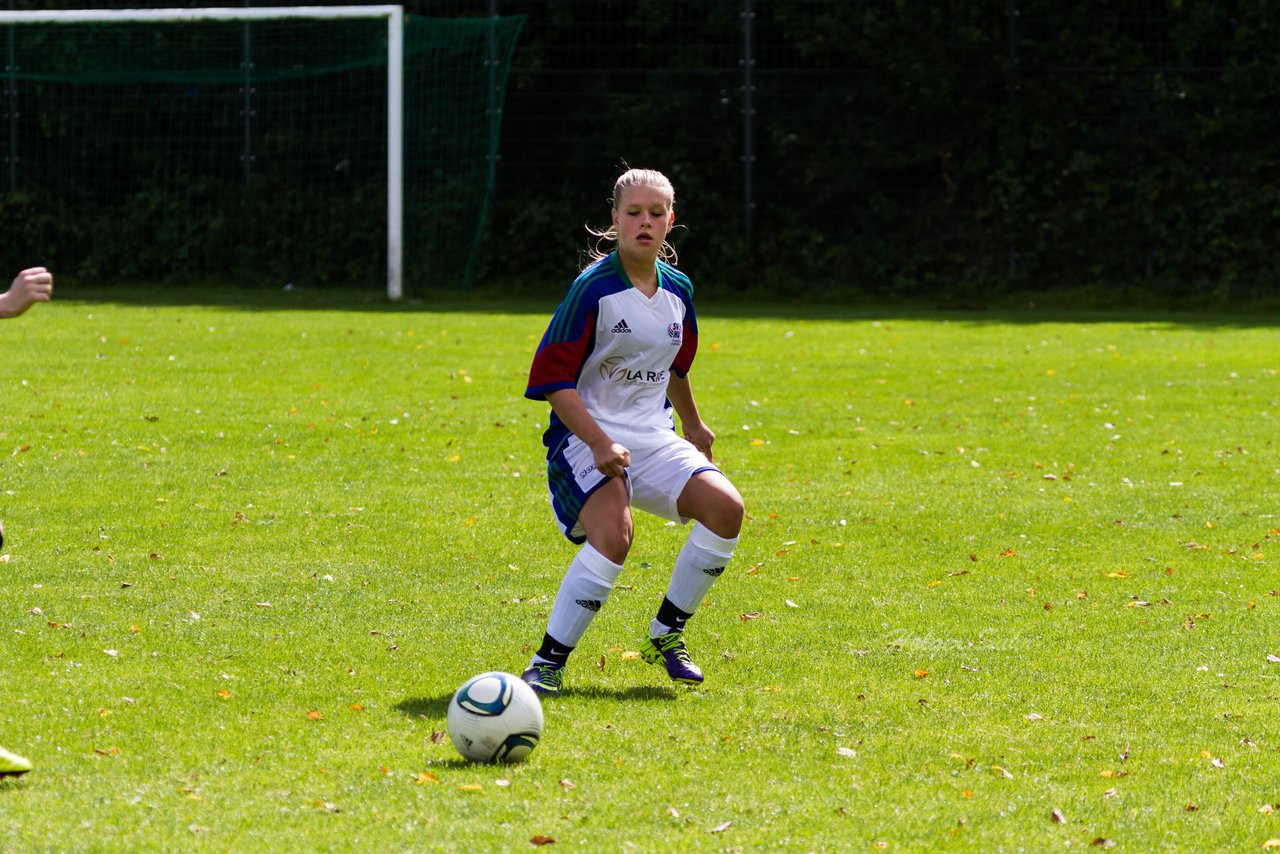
x: 29, y: 287
x: 613, y: 363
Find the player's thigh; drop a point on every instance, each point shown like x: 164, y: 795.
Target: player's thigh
x: 659, y: 475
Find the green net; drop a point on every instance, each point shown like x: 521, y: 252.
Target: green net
x: 256, y: 150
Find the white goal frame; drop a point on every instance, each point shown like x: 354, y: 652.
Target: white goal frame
x: 395, y: 82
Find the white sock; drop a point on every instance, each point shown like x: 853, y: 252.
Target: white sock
x: 584, y: 590
x: 698, y: 565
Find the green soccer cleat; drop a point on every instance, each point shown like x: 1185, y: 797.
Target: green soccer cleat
x: 13, y: 765
x: 544, y: 678
x: 671, y: 651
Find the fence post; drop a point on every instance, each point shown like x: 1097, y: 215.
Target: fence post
x: 246, y: 63
x: 748, y: 122
x: 493, y: 107
x: 1012, y: 84
x: 11, y: 90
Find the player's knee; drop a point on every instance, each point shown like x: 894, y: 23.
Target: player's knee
x: 729, y: 512
x: 613, y: 541
x: 723, y: 515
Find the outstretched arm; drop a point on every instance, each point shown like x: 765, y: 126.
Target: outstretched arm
x: 29, y: 287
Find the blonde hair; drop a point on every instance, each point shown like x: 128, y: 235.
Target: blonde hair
x: 650, y: 178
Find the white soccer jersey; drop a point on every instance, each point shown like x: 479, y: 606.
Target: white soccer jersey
x: 618, y: 348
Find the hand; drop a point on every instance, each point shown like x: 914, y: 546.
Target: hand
x: 611, y: 458
x: 702, y: 439
x: 29, y: 287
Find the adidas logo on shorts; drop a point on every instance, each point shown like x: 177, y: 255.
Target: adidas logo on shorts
x: 590, y: 604
x: 621, y: 328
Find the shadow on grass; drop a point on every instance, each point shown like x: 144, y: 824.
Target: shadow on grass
x: 425, y: 707
x: 438, y: 707
x: 1027, y: 309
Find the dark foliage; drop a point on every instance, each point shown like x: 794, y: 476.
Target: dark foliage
x: 951, y: 150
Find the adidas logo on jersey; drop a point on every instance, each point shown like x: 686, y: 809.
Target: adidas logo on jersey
x: 621, y: 328
x: 592, y: 605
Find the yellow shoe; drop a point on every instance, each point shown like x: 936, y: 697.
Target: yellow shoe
x: 12, y: 765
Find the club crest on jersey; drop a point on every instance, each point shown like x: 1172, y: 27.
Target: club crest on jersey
x: 674, y: 331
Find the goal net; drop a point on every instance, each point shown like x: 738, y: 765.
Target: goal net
x: 285, y: 145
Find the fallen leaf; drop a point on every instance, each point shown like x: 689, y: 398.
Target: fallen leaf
x: 721, y: 828
x: 1191, y: 808
x: 630, y: 655
x: 566, y: 783
x: 1119, y: 573
x: 470, y: 787
x: 1103, y: 843
x: 1003, y: 772
x: 1110, y: 793
x: 846, y: 751
x: 920, y: 674
x: 425, y: 777
x: 1274, y: 659
x: 1057, y: 817
x: 1271, y: 843
x: 224, y: 694
x: 356, y: 707
x: 1035, y: 717
x: 754, y: 615
x: 542, y: 840
x: 314, y: 715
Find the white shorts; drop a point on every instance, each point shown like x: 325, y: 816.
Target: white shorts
x: 656, y: 477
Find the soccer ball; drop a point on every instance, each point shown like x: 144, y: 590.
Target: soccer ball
x: 495, y: 717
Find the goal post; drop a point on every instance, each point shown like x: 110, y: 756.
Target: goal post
x: 212, y: 69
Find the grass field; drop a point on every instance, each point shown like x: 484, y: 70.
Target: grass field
x: 1008, y: 581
